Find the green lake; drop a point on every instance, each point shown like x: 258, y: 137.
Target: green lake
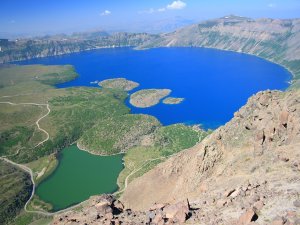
x: 78, y: 176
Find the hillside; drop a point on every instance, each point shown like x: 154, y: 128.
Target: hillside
x: 245, y: 171
x: 15, y: 191
x: 59, y: 45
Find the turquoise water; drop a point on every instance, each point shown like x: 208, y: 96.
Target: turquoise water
x: 78, y: 176
x: 214, y: 83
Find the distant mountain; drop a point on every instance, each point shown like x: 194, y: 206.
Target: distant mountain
x: 161, y: 26
x: 273, y: 39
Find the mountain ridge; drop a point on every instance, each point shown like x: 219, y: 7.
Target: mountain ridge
x: 276, y: 40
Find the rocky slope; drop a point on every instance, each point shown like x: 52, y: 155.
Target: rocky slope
x: 58, y: 45
x: 254, y: 159
x: 246, y: 171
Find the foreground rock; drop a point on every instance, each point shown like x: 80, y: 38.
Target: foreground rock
x: 172, y: 101
x: 106, y: 209
x: 119, y: 83
x: 245, y: 172
x: 148, y: 97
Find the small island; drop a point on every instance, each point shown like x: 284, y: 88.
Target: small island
x: 148, y: 97
x: 119, y: 83
x: 172, y: 100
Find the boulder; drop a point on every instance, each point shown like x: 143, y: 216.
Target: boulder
x: 177, y: 212
x: 118, y: 205
x: 283, y: 118
x: 247, y: 217
x: 157, y: 206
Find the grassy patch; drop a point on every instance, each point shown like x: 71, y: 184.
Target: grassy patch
x: 30, y: 219
x: 118, y: 133
x: 42, y: 167
x: 166, y: 141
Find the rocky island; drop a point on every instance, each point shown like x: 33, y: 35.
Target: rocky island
x: 148, y: 97
x: 172, y: 100
x: 119, y: 83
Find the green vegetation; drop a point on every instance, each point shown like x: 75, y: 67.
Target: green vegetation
x: 166, y: 141
x: 30, y: 219
x: 119, y: 83
x: 118, y: 134
x: 37, y: 204
x: 43, y: 167
x: 14, y: 192
x: 51, y: 75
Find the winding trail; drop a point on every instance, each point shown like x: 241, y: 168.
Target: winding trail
x: 37, y: 122
x: 146, y: 163
x: 141, y: 167
x: 23, y: 167
x: 28, y: 170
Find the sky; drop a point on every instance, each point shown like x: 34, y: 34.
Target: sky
x: 66, y: 16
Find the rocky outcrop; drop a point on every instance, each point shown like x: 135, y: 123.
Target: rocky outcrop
x: 246, y: 171
x: 106, y: 209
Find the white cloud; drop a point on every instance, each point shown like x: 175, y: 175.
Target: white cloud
x: 176, y: 5
x: 105, y: 13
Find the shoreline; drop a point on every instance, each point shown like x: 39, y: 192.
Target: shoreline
x: 93, y: 153
x: 252, y: 54
x: 293, y: 73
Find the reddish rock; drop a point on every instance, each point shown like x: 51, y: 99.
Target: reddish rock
x: 221, y: 203
x: 277, y: 222
x: 283, y: 118
x: 247, y: 217
x: 109, y: 216
x: 157, y: 206
x: 177, y: 212
x: 158, y: 218
x: 259, y: 205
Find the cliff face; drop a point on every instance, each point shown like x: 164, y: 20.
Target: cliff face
x: 263, y: 37
x: 59, y: 45
x: 251, y: 163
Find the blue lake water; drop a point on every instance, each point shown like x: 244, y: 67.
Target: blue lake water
x: 214, y: 83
